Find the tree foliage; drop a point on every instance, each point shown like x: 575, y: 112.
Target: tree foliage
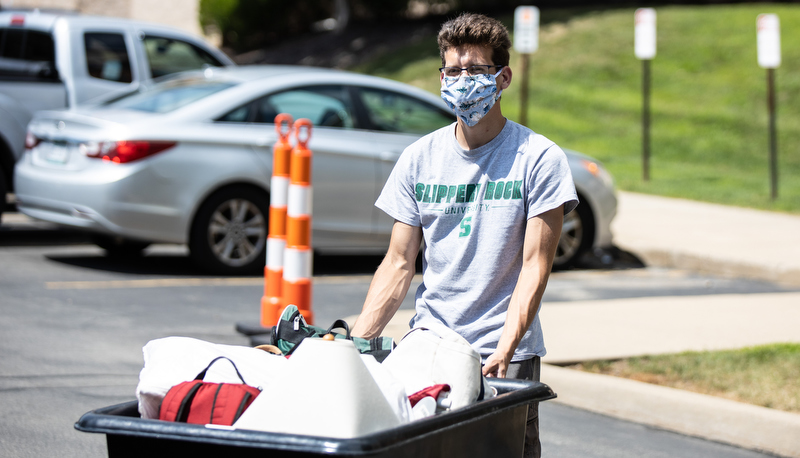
x: 250, y: 24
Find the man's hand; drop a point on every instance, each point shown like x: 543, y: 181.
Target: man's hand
x: 496, y: 365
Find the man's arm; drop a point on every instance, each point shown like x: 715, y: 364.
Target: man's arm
x: 391, y: 281
x: 541, y: 239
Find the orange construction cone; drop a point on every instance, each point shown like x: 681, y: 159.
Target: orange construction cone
x: 271, y: 303
x: 298, y: 255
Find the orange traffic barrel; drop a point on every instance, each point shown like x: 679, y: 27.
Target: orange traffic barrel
x: 271, y: 302
x: 298, y: 254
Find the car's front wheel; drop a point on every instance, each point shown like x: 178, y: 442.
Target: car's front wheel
x: 229, y: 233
x: 577, y: 234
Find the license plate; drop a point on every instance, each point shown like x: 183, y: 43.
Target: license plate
x: 55, y: 154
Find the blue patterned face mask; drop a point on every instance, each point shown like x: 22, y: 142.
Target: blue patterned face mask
x: 471, y: 97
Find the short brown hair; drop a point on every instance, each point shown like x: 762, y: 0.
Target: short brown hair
x: 477, y: 30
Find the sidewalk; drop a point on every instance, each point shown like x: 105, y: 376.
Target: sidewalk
x: 689, y: 235
x: 708, y: 237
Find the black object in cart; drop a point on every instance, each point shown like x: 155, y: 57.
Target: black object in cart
x: 491, y: 428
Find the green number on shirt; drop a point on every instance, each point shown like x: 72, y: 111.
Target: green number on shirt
x: 465, y: 227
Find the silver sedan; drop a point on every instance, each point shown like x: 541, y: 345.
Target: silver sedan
x: 189, y: 161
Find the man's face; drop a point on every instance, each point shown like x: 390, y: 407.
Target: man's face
x: 467, y: 56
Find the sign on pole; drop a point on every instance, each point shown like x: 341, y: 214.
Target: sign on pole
x: 526, y: 41
x: 526, y: 29
x: 645, y: 33
x: 768, y: 41
x: 644, y: 47
x: 768, y: 37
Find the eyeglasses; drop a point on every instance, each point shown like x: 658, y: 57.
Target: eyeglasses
x: 473, y: 70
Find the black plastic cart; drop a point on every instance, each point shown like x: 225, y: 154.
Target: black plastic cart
x: 491, y: 428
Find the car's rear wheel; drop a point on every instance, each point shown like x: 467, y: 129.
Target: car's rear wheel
x: 119, y: 247
x: 229, y: 233
x: 577, y: 234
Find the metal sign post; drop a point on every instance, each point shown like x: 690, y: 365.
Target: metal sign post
x: 768, y: 36
x: 526, y: 41
x: 646, y: 119
x: 645, y: 49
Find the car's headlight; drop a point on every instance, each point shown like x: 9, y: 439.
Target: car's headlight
x: 598, y: 171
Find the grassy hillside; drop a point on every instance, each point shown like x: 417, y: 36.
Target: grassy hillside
x: 709, y: 115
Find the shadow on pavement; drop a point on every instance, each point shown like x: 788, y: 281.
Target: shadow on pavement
x: 40, y: 237
x: 183, y: 265
x: 606, y: 259
x: 157, y: 264
x: 347, y: 264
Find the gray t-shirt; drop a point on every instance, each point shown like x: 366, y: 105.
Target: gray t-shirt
x: 473, y: 206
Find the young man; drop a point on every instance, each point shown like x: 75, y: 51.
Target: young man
x: 488, y: 197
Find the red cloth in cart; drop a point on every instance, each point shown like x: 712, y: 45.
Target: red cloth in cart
x: 432, y: 391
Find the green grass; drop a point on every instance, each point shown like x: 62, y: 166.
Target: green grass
x: 709, y: 115
x: 765, y: 375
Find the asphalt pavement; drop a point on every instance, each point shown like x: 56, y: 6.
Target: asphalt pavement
x: 716, y: 239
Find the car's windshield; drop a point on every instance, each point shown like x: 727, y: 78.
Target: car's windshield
x: 170, y: 96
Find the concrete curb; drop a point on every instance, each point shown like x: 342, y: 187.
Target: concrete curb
x: 708, y: 417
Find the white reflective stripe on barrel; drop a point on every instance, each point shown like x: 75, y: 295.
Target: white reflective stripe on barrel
x: 275, y: 251
x: 299, y: 200
x: 279, y: 191
x: 296, y: 264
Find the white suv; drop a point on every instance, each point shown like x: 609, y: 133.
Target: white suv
x: 52, y: 61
